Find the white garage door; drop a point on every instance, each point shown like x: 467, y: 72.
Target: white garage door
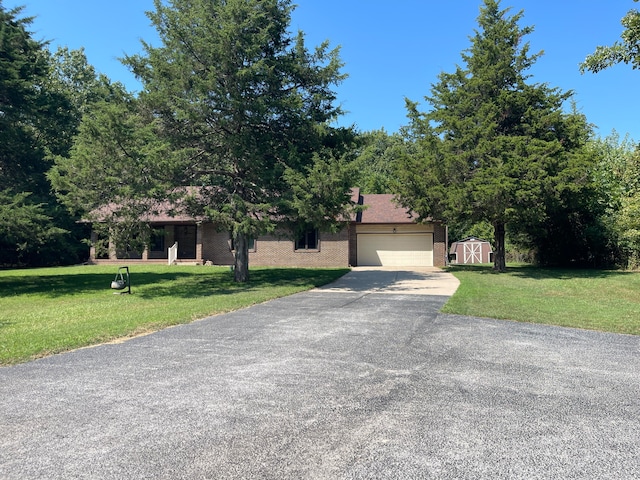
x: 395, y: 250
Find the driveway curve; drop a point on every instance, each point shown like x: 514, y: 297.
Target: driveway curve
x: 338, y: 382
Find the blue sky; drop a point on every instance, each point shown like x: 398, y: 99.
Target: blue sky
x: 391, y: 50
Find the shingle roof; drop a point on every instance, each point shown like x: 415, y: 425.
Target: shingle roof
x: 160, y: 212
x: 381, y: 208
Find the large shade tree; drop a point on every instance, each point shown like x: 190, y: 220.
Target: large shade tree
x: 493, y: 146
x: 625, y: 51
x: 623, y: 167
x: 376, y: 158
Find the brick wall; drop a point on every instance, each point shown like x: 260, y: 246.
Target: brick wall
x: 216, y: 246
x: 274, y: 250
x: 439, y: 245
x: 335, y: 250
x: 353, y: 245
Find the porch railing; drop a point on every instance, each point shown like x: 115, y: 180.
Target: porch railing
x: 173, y: 254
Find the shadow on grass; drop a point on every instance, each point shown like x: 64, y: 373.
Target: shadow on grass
x: 53, y: 285
x: 176, y: 284
x: 222, y: 282
x: 541, y: 273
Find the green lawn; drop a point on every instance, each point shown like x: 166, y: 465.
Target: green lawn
x: 592, y: 299
x: 45, y: 311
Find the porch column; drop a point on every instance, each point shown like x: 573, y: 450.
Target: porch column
x: 112, y: 250
x: 92, y: 247
x: 199, y: 242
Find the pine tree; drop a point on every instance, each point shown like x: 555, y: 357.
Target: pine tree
x: 22, y: 70
x: 493, y: 145
x: 246, y: 108
x: 35, y: 120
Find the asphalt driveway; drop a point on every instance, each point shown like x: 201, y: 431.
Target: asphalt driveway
x: 339, y: 382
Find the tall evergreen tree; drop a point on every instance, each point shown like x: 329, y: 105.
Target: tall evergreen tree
x: 35, y: 120
x: 246, y: 108
x: 493, y: 146
x: 23, y: 68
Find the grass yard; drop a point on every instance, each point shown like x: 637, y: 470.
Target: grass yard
x: 51, y: 310
x: 603, y: 300
x: 46, y: 311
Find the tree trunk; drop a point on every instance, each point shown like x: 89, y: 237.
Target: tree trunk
x: 241, y: 267
x: 499, y: 260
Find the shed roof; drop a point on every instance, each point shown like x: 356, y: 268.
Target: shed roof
x: 471, y: 239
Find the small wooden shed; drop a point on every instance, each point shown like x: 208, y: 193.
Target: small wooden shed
x: 470, y: 250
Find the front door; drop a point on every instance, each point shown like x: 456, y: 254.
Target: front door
x: 186, y: 238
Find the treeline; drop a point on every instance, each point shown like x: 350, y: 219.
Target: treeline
x: 245, y: 116
x: 43, y: 97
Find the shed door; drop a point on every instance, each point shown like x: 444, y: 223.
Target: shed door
x: 395, y: 250
x: 473, y: 252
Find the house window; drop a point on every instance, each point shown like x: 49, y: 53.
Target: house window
x: 307, y: 240
x: 157, y: 240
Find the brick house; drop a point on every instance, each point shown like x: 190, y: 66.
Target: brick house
x: 383, y: 234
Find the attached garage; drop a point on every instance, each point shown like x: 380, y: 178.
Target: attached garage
x: 395, y: 245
